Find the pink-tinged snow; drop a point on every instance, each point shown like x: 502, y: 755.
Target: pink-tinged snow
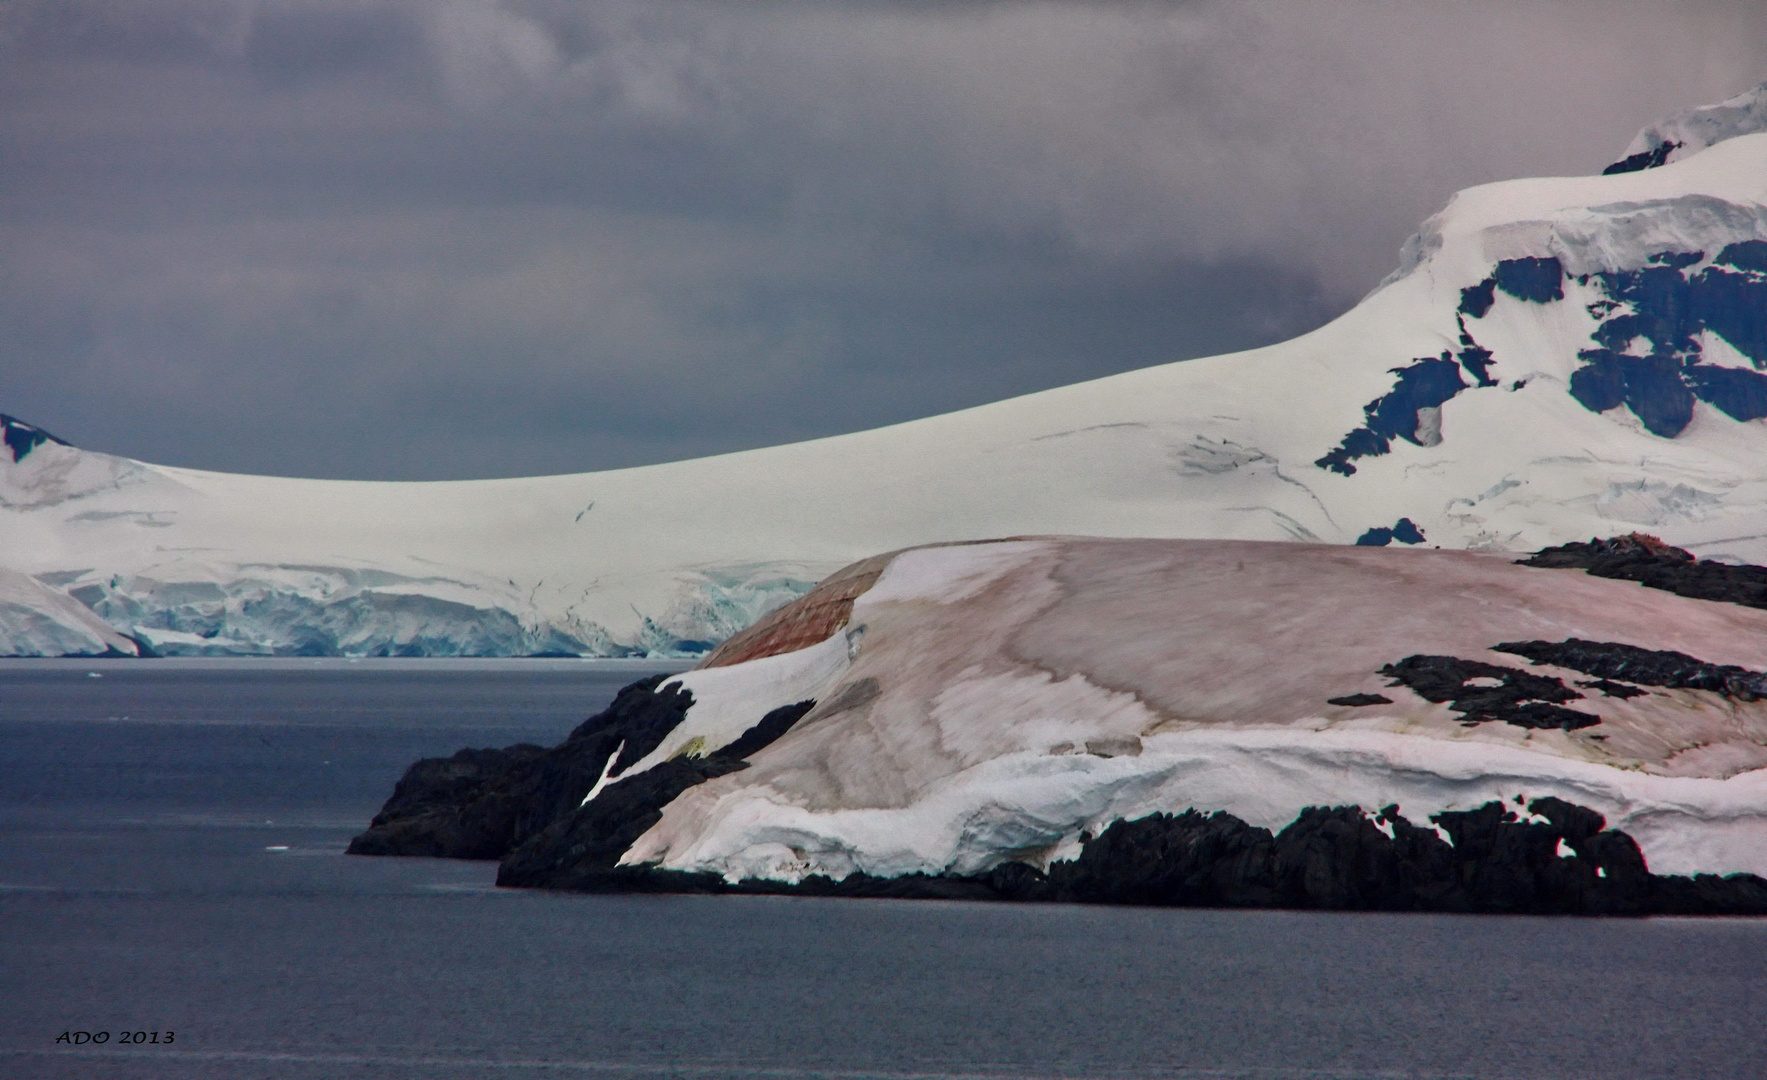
x: 993, y: 701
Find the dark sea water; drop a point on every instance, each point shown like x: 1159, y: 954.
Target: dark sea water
x: 171, y: 839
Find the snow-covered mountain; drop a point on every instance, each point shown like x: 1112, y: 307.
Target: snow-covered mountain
x: 1553, y: 359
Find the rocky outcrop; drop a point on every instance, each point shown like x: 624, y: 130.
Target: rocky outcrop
x: 581, y: 849
x: 1613, y: 660
x: 526, y: 805
x: 483, y: 804
x: 1481, y: 692
x: 1656, y: 565
x: 1557, y: 860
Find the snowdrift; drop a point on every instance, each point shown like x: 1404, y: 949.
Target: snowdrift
x: 1553, y: 359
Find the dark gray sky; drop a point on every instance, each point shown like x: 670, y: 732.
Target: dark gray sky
x: 432, y: 240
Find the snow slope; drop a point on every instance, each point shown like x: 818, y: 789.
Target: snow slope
x: 37, y: 620
x: 1554, y: 359
x: 991, y: 702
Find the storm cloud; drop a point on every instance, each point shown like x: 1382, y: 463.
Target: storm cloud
x: 452, y: 239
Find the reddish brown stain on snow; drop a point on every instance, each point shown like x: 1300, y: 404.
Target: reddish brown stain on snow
x: 805, y: 621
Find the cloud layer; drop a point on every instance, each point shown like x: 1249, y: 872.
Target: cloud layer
x: 426, y: 240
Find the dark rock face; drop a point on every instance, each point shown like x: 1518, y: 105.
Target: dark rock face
x: 1666, y: 307
x: 461, y: 807
x: 524, y: 805
x: 1644, y: 159
x: 482, y: 804
x: 1404, y: 530
x: 1537, y: 281
x: 1424, y: 383
x: 580, y: 848
x: 1610, y: 660
x: 21, y: 438
x: 1475, y: 300
x: 1656, y: 565
x: 1514, y: 697
x: 1329, y: 858
x: 1337, y: 858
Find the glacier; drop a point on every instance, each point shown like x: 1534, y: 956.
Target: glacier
x: 1554, y: 358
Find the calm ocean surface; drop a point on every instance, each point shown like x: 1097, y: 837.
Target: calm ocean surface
x: 171, y: 838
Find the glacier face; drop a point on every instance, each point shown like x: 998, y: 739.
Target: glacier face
x: 1554, y: 359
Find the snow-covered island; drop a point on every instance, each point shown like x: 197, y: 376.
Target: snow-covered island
x: 1172, y: 721
x: 1553, y: 359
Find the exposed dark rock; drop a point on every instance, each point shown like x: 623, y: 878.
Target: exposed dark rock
x: 1667, y: 308
x: 1475, y: 300
x: 1359, y: 700
x: 1328, y: 858
x: 1652, y: 667
x: 766, y: 732
x: 1654, y: 564
x: 458, y: 807
x: 1477, y: 362
x: 1537, y: 281
x: 1644, y: 159
x: 579, y: 849
x: 1404, y: 530
x: 21, y: 438
x: 1652, y: 386
x: 482, y: 804
x: 1610, y: 688
x: 1425, y: 383
x: 1517, y: 697
x: 1662, y: 304
x: 1337, y: 858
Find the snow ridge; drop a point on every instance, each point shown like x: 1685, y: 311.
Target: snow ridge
x: 1687, y: 133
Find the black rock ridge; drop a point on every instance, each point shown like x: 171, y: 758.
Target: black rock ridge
x: 1330, y: 859
x: 1656, y: 565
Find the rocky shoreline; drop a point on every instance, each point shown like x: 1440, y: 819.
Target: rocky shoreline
x: 525, y: 807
